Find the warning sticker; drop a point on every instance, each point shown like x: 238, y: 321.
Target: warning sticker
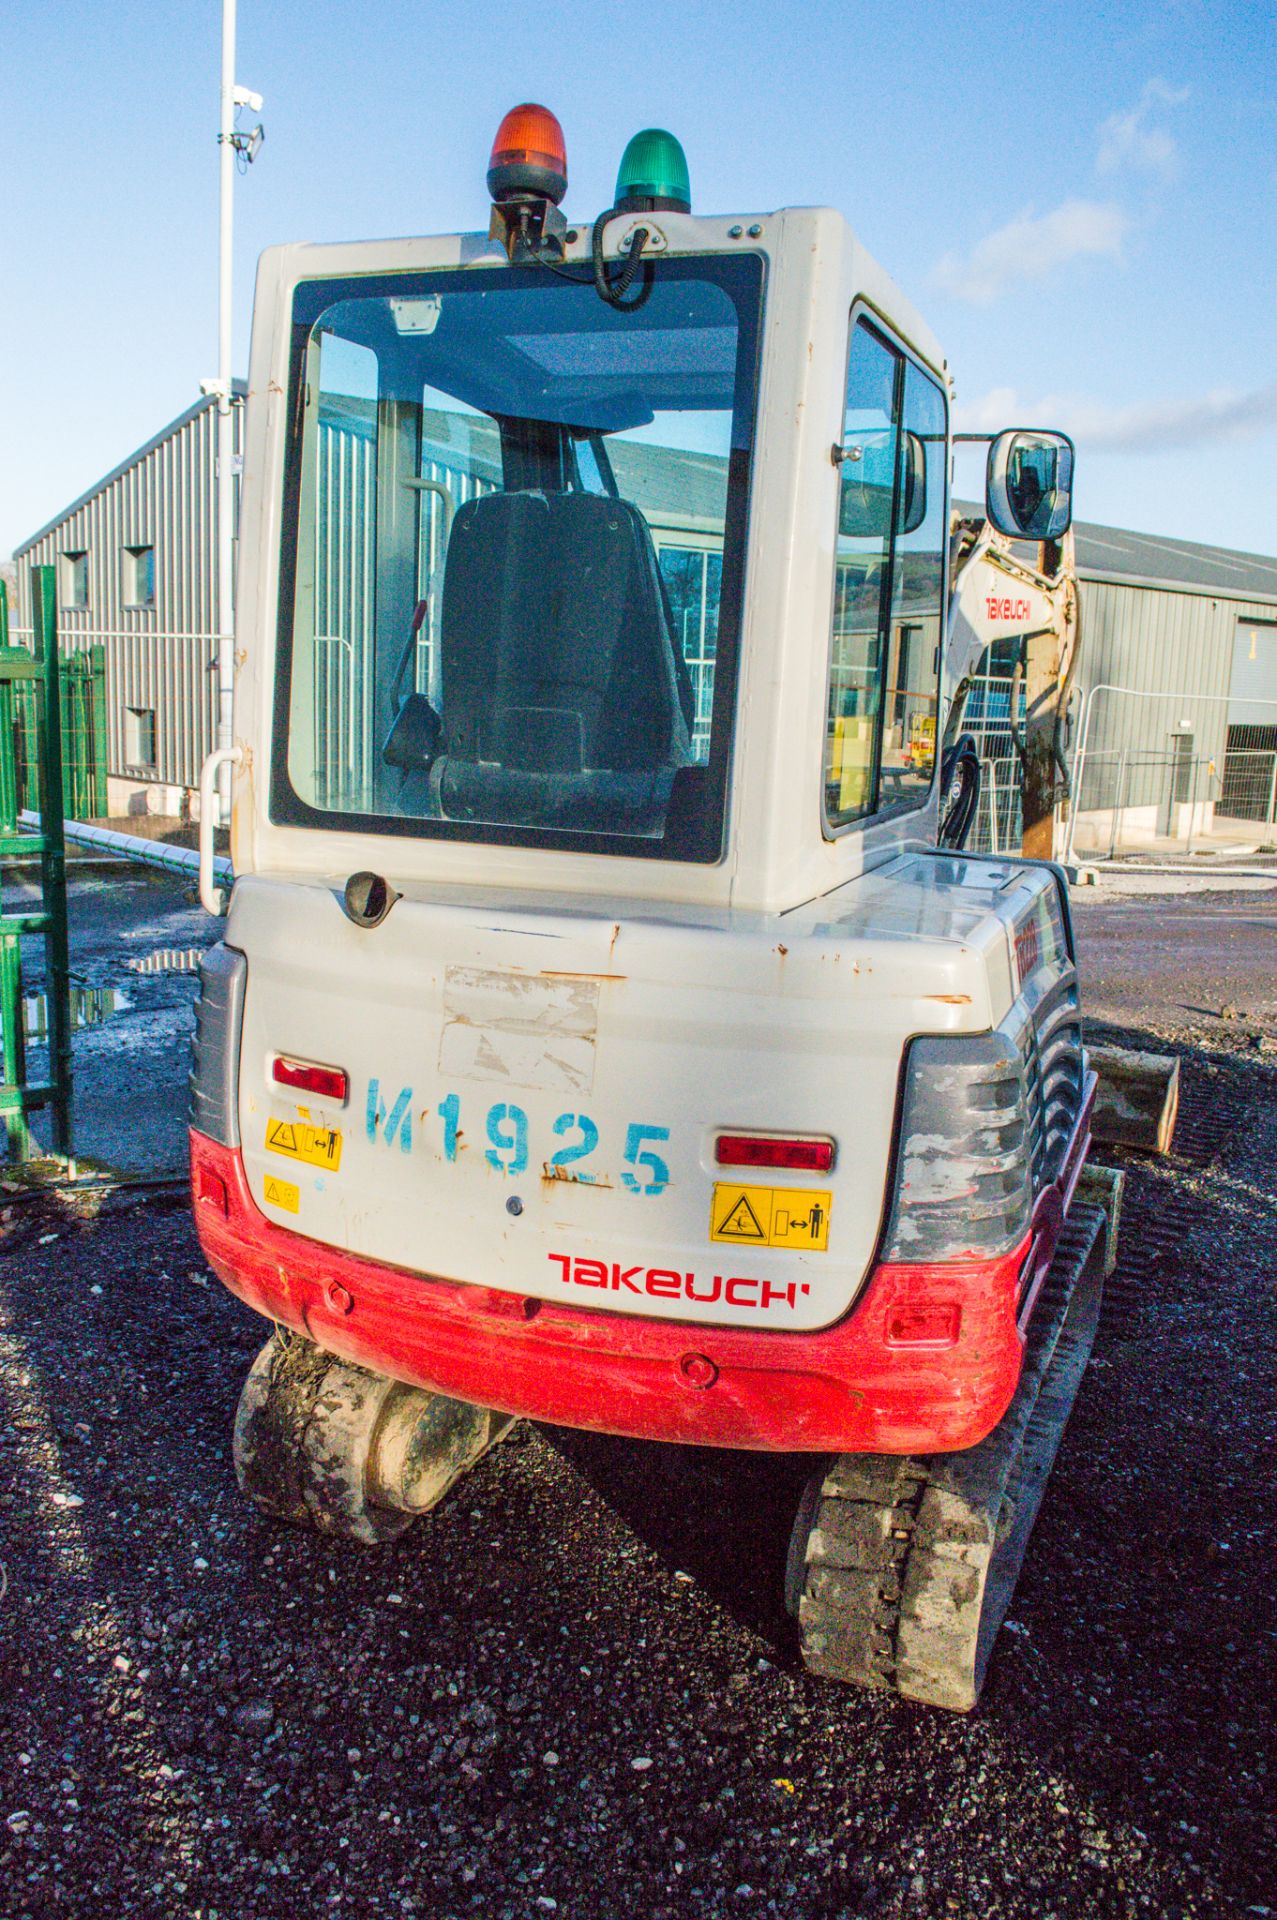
x: 318, y: 1146
x: 281, y: 1193
x: 770, y: 1217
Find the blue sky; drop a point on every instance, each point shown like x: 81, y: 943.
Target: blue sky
x: 1083, y: 201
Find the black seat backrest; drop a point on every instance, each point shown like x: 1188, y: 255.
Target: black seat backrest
x: 556, y: 651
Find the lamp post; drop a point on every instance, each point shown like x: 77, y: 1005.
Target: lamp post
x: 236, y: 148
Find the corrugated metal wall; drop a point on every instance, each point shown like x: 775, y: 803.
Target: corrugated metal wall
x: 160, y: 659
x: 1174, y: 650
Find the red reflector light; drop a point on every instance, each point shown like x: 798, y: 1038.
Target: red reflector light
x: 761, y: 1150
x: 327, y: 1083
x: 210, y: 1191
x: 924, y: 1326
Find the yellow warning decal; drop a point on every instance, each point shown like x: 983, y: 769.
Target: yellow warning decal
x: 318, y: 1146
x: 281, y: 1193
x: 770, y: 1217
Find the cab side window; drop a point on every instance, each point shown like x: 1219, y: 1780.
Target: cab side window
x: 880, y: 737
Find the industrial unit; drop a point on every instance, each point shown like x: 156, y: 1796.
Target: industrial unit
x: 1187, y: 632
x: 136, y: 559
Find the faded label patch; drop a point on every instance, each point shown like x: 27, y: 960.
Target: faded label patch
x: 519, y: 1029
x: 282, y: 1193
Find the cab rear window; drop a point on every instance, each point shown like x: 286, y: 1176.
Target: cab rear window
x: 515, y: 561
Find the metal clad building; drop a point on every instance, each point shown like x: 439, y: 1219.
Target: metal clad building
x: 1187, y: 633
x: 136, y: 560
x: 1177, y: 685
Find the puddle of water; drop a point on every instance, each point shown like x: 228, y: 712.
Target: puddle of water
x: 90, y: 1006
x: 168, y: 960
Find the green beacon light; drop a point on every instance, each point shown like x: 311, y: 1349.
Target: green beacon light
x: 653, y: 175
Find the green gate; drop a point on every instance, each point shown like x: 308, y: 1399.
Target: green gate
x: 32, y: 682
x: 82, y: 690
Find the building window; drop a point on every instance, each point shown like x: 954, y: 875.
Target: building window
x: 139, y: 576
x: 75, y: 580
x: 139, y: 736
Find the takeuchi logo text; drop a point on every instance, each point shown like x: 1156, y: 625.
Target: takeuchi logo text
x: 668, y: 1283
x: 1004, y: 607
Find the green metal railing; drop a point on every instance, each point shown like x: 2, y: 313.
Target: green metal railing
x: 82, y: 680
x: 33, y: 679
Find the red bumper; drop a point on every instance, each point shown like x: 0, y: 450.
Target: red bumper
x: 926, y: 1361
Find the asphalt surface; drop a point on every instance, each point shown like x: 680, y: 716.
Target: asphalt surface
x: 572, y: 1689
x: 135, y: 938
x: 1188, y: 965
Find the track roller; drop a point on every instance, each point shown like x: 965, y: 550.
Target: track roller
x: 901, y: 1570
x: 326, y: 1444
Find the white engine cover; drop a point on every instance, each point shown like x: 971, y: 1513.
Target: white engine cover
x: 536, y: 1091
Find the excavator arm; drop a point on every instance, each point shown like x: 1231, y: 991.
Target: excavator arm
x: 1025, y: 591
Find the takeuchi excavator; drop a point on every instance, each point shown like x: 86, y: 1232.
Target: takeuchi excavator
x: 610, y: 1028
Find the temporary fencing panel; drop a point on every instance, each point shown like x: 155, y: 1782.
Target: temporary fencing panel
x: 1159, y: 792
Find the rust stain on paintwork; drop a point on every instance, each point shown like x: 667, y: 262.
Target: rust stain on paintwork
x: 950, y: 999
x: 559, y: 973
x: 563, y: 1176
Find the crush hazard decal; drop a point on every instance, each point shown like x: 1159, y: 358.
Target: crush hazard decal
x: 792, y: 1217
x: 317, y: 1146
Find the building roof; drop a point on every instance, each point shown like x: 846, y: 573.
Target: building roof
x: 1146, y: 559
x: 1152, y: 560
x: 238, y: 387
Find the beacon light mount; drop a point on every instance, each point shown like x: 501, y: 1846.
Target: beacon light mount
x: 527, y: 178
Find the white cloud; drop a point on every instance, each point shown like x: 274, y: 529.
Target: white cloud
x: 1031, y: 248
x: 1156, y: 426
x: 1127, y: 139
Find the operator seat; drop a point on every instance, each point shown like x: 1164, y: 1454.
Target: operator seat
x: 556, y: 655
x: 558, y: 666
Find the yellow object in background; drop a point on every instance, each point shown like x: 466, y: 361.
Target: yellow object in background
x: 852, y: 760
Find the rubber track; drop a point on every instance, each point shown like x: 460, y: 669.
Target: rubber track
x: 902, y: 1569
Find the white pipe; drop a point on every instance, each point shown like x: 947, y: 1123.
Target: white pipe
x: 225, y: 421
x: 1134, y: 868
x: 148, y: 853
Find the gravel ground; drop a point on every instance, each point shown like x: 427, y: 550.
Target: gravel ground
x: 571, y: 1691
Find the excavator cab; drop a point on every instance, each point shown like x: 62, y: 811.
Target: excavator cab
x: 602, y: 1034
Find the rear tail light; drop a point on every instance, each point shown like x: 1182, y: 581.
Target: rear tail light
x: 801, y: 1154
x: 303, y: 1076
x: 963, y: 1185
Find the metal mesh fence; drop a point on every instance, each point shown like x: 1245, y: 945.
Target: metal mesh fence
x: 987, y: 716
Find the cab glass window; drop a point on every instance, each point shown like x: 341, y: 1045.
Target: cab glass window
x: 517, y: 541
x: 880, y: 739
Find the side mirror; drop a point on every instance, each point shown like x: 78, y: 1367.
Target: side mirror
x: 869, y: 486
x: 913, y: 491
x: 1029, y: 485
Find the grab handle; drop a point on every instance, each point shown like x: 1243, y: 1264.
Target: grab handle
x: 211, y: 896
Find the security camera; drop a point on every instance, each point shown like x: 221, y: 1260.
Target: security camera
x: 245, y: 97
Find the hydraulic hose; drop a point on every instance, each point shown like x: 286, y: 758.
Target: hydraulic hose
x: 960, y: 762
